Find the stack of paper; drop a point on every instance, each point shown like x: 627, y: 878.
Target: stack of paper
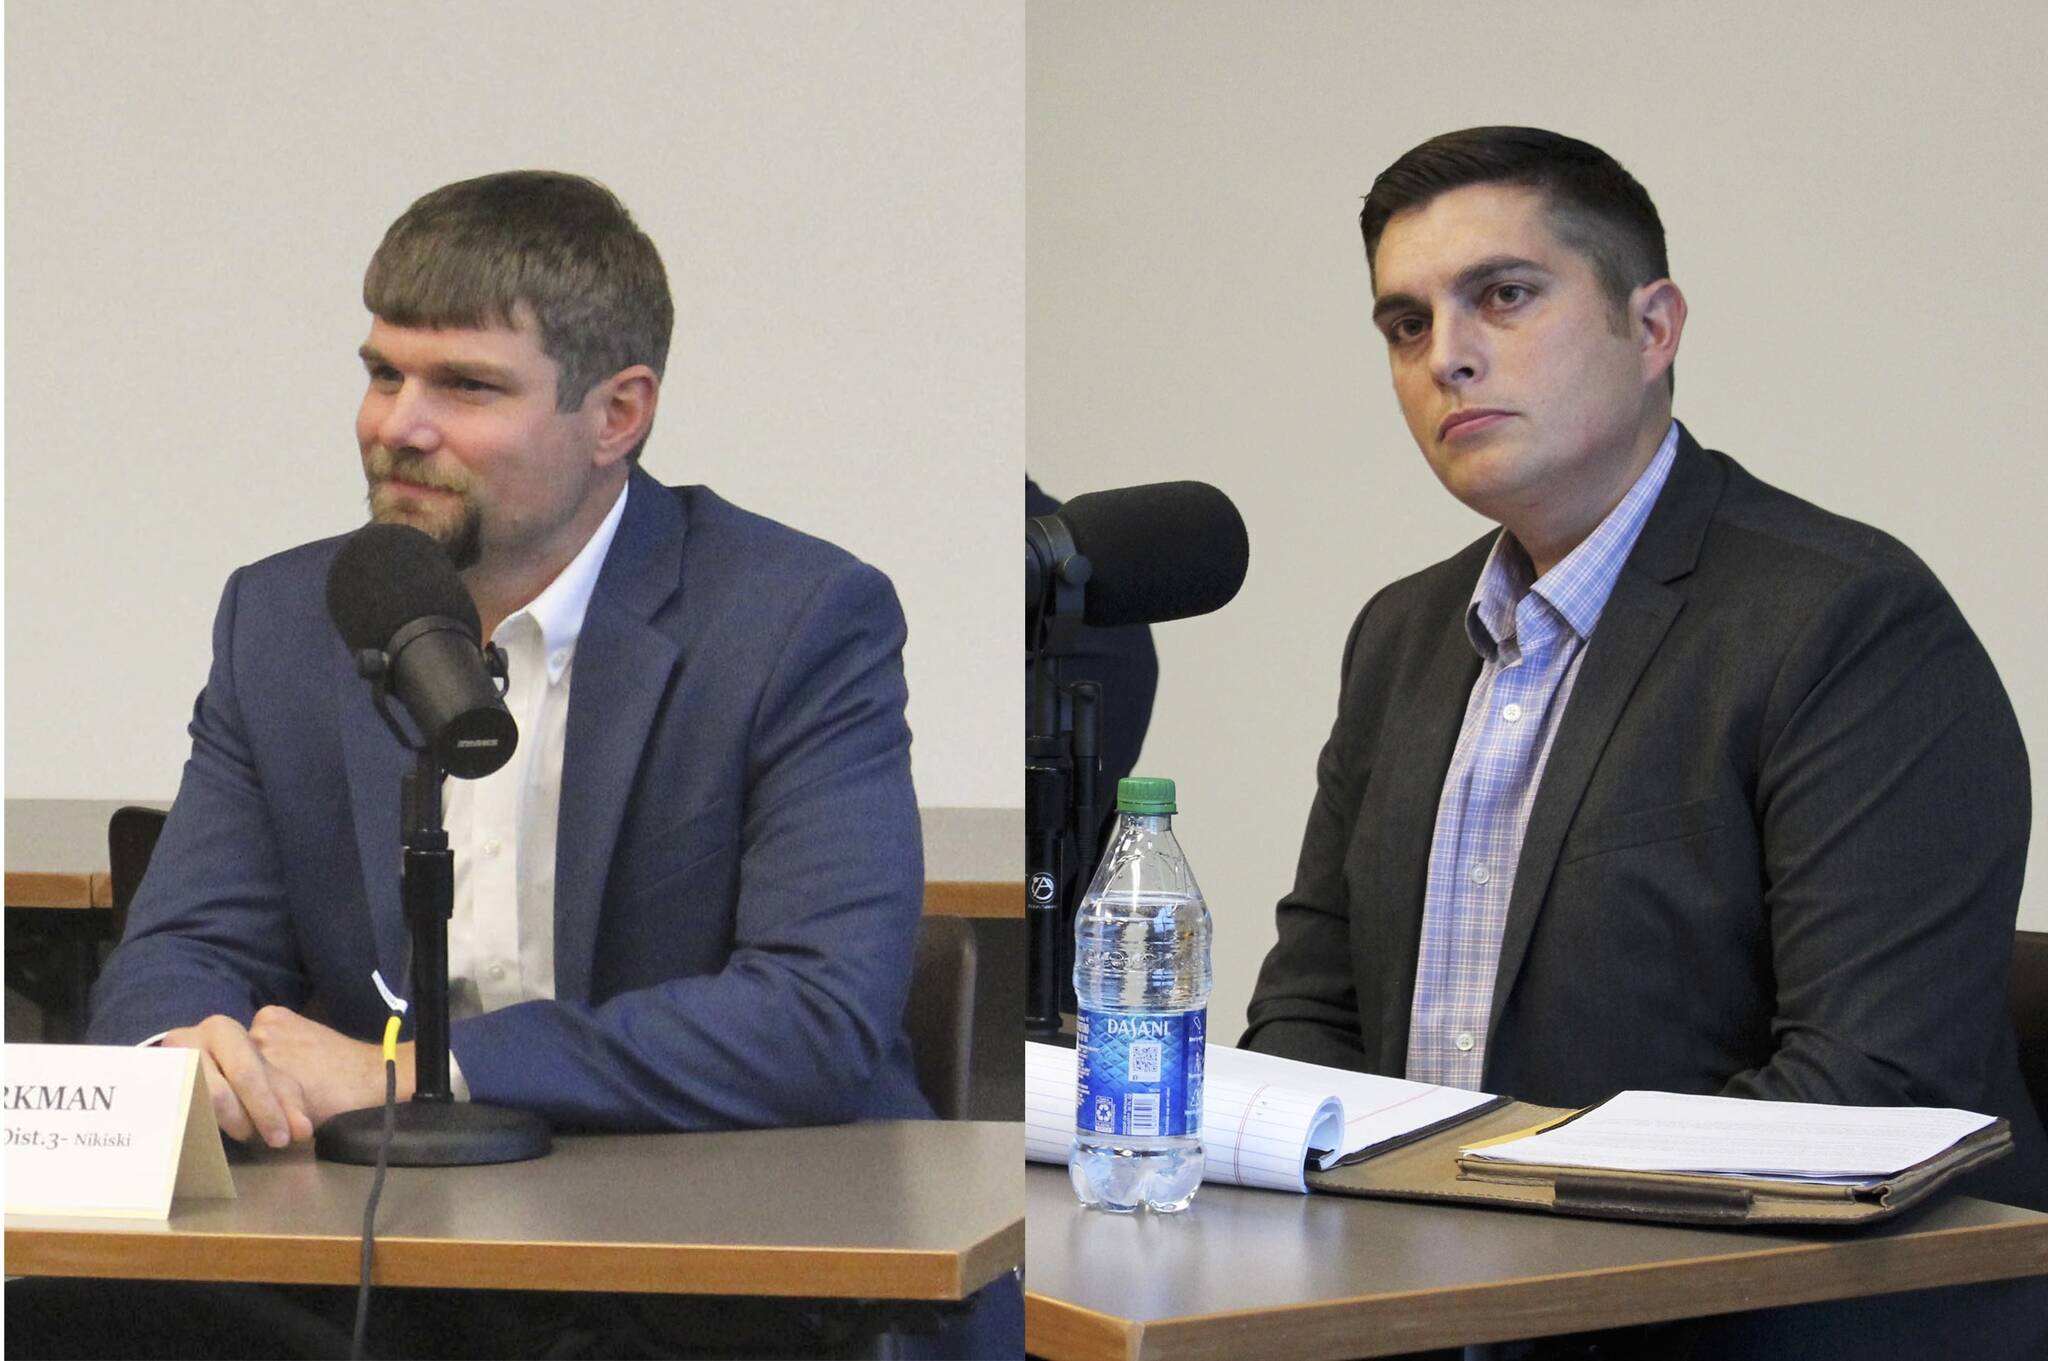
x: 1727, y: 1136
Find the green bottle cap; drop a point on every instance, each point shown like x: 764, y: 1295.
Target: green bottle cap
x: 1138, y: 794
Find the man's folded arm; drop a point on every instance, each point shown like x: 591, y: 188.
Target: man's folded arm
x: 1306, y: 1003
x: 208, y: 932
x: 1893, y: 802
x: 799, y: 1022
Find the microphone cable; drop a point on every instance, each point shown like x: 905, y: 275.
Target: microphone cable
x: 356, y: 1350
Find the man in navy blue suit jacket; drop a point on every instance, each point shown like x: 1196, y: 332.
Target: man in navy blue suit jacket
x: 737, y: 876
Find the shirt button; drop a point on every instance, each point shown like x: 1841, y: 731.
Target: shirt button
x: 498, y: 976
x: 1464, y: 1042
x: 1512, y: 712
x: 493, y: 846
x: 1481, y: 874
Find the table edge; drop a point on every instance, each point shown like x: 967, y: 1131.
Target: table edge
x: 1535, y: 1306
x: 54, y: 889
x: 1058, y: 1330
x: 641, y: 1268
x: 982, y: 898
x: 85, y: 890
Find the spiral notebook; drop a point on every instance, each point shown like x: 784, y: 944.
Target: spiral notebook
x: 1265, y: 1120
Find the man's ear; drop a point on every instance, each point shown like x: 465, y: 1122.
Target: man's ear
x: 624, y: 406
x: 1656, y: 313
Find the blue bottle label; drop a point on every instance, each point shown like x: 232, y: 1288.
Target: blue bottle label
x: 1139, y: 1075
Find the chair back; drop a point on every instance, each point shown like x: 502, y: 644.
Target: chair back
x: 2029, y: 995
x: 940, y: 1017
x: 131, y: 838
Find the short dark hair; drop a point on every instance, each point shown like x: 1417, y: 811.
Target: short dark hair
x: 1597, y: 208
x: 471, y: 254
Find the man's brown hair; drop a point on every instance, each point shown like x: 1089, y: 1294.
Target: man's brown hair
x: 560, y: 247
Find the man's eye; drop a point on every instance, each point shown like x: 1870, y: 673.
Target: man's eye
x: 1508, y: 295
x: 471, y: 385
x: 1404, y: 329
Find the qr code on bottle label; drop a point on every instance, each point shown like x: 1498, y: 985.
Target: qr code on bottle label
x: 1145, y: 1061
x: 1141, y: 1114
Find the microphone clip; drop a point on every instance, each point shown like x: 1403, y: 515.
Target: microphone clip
x: 373, y: 664
x: 495, y: 667
x: 1056, y: 576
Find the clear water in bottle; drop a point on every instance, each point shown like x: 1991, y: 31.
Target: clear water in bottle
x: 1142, y: 978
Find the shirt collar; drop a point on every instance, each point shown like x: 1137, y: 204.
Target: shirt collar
x: 1576, y: 588
x: 558, y: 610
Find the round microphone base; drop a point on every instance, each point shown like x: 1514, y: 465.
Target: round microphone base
x: 435, y: 1134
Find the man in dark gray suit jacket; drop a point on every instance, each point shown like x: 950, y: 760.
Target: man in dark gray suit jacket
x: 1678, y: 782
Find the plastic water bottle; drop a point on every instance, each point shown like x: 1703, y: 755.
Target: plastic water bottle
x: 1141, y: 976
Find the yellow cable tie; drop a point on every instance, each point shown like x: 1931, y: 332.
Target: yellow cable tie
x: 391, y: 1039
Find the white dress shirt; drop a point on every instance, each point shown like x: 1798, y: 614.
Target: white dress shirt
x: 501, y: 938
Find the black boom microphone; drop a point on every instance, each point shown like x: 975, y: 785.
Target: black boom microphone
x: 1137, y: 555
x: 394, y: 590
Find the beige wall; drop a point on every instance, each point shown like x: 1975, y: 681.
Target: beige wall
x: 193, y: 189
x: 840, y: 192
x: 1852, y: 194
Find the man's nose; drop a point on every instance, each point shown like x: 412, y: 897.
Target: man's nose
x: 1456, y: 351
x: 407, y: 420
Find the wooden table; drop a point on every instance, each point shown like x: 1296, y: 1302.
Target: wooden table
x: 59, y: 897
x: 57, y: 851
x: 907, y: 1210
x: 1263, y: 1273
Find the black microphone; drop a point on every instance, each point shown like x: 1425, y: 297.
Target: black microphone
x: 1169, y: 550
x: 394, y: 590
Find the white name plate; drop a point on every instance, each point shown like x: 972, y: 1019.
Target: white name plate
x: 95, y: 1129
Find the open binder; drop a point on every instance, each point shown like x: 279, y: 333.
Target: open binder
x: 1432, y: 1168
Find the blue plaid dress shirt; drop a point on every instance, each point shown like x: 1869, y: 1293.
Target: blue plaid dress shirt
x: 1531, y: 636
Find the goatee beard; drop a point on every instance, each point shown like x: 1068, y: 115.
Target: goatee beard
x: 462, y: 541
x: 465, y: 546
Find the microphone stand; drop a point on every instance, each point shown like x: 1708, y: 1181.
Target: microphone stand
x: 1048, y: 788
x: 1062, y: 762
x: 433, y: 1129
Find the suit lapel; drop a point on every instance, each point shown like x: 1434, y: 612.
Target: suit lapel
x: 376, y: 765
x: 622, y: 670
x: 1638, y: 614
